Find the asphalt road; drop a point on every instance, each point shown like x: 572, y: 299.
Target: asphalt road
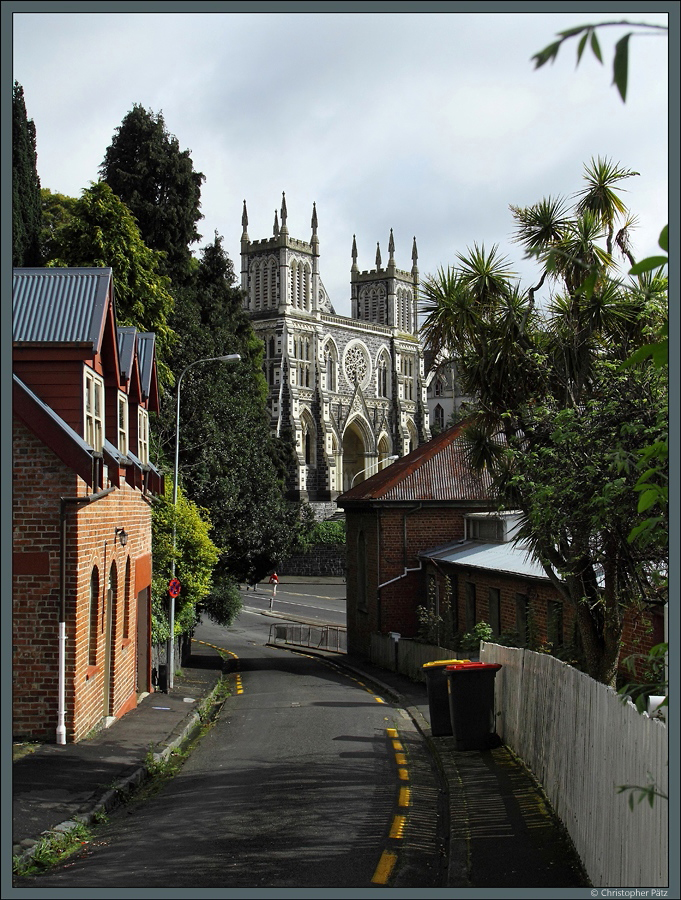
x: 300, y: 783
x: 318, y: 603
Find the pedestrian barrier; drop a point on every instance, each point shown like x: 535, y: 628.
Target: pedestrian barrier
x: 319, y: 637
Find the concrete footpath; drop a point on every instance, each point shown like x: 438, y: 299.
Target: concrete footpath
x: 501, y: 830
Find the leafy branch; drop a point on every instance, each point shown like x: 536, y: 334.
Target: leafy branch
x: 588, y: 36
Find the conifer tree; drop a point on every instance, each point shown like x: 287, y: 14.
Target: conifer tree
x: 156, y: 180
x: 26, y: 203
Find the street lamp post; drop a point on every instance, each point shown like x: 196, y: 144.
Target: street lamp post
x: 170, y: 651
x: 384, y: 460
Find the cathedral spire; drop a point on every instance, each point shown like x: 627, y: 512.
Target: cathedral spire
x: 284, y: 229
x: 378, y: 255
x: 414, y: 259
x: 314, y: 222
x: 244, y: 223
x: 276, y: 225
x: 354, y: 255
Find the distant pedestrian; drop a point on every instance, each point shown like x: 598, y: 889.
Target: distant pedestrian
x: 274, y: 581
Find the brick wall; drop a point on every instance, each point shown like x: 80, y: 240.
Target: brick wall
x: 393, y: 607
x: 40, y: 479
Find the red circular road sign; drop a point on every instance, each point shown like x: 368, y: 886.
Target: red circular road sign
x: 174, y: 587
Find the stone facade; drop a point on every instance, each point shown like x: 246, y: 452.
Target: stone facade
x: 349, y: 390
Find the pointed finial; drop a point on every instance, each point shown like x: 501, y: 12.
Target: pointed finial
x: 414, y: 252
x: 276, y: 224
x: 391, y: 246
x: 244, y: 218
x: 354, y: 249
x: 314, y: 218
x: 283, y: 210
x: 378, y: 255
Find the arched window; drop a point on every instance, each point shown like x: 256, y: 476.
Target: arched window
x: 382, y: 377
x: 93, y: 631
x: 127, y: 609
x: 112, y: 593
x: 258, y: 286
x: 306, y: 287
x: 273, y: 282
x: 439, y: 417
x: 331, y: 367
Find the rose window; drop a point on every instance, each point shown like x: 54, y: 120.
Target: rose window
x: 356, y: 365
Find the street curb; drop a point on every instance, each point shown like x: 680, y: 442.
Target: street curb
x: 123, y: 789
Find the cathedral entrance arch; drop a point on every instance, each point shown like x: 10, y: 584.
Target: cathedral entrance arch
x: 355, y: 454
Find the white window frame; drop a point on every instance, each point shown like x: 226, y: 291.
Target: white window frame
x: 142, y: 435
x: 93, y: 409
x: 122, y: 424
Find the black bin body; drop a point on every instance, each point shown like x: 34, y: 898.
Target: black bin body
x: 438, y: 699
x: 470, y: 687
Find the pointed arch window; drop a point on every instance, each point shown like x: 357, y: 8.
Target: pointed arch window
x: 306, y: 287
x: 93, y: 631
x: 439, y: 417
x: 127, y: 604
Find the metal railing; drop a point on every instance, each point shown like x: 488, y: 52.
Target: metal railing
x: 319, y: 637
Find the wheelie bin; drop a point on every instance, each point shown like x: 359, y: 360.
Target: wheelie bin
x: 438, y: 702
x: 470, y: 686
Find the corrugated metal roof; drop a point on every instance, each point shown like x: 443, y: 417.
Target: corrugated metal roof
x: 437, y: 470
x: 59, y: 305
x: 146, y: 341
x: 127, y: 337
x: 515, y: 559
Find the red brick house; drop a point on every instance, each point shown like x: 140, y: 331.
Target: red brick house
x: 424, y: 533
x: 419, y: 501
x: 83, y: 389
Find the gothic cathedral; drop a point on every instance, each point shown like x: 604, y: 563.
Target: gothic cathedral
x: 350, y: 391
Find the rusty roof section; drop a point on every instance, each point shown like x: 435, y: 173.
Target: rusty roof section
x: 438, y: 470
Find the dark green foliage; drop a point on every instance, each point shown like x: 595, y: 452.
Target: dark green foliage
x: 620, y: 67
x: 230, y: 463
x: 562, y: 420
x: 26, y: 205
x: 58, y: 211
x: 313, y: 534
x: 98, y: 230
x: 156, y: 180
x: 224, y: 603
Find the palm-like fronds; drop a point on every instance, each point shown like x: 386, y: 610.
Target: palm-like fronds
x: 540, y: 225
x: 600, y: 196
x: 450, y: 317
x: 487, y: 276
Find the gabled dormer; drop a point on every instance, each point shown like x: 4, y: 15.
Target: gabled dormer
x: 98, y: 378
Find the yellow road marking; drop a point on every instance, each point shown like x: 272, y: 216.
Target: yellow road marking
x: 405, y: 797
x: 384, y: 867
x: 397, y: 828
x: 400, y: 759
x: 379, y: 699
x: 397, y: 745
x: 391, y: 732
x: 403, y: 774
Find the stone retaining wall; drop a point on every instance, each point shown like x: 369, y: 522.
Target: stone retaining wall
x: 324, y: 560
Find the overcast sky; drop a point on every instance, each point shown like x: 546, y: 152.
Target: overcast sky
x: 429, y: 124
